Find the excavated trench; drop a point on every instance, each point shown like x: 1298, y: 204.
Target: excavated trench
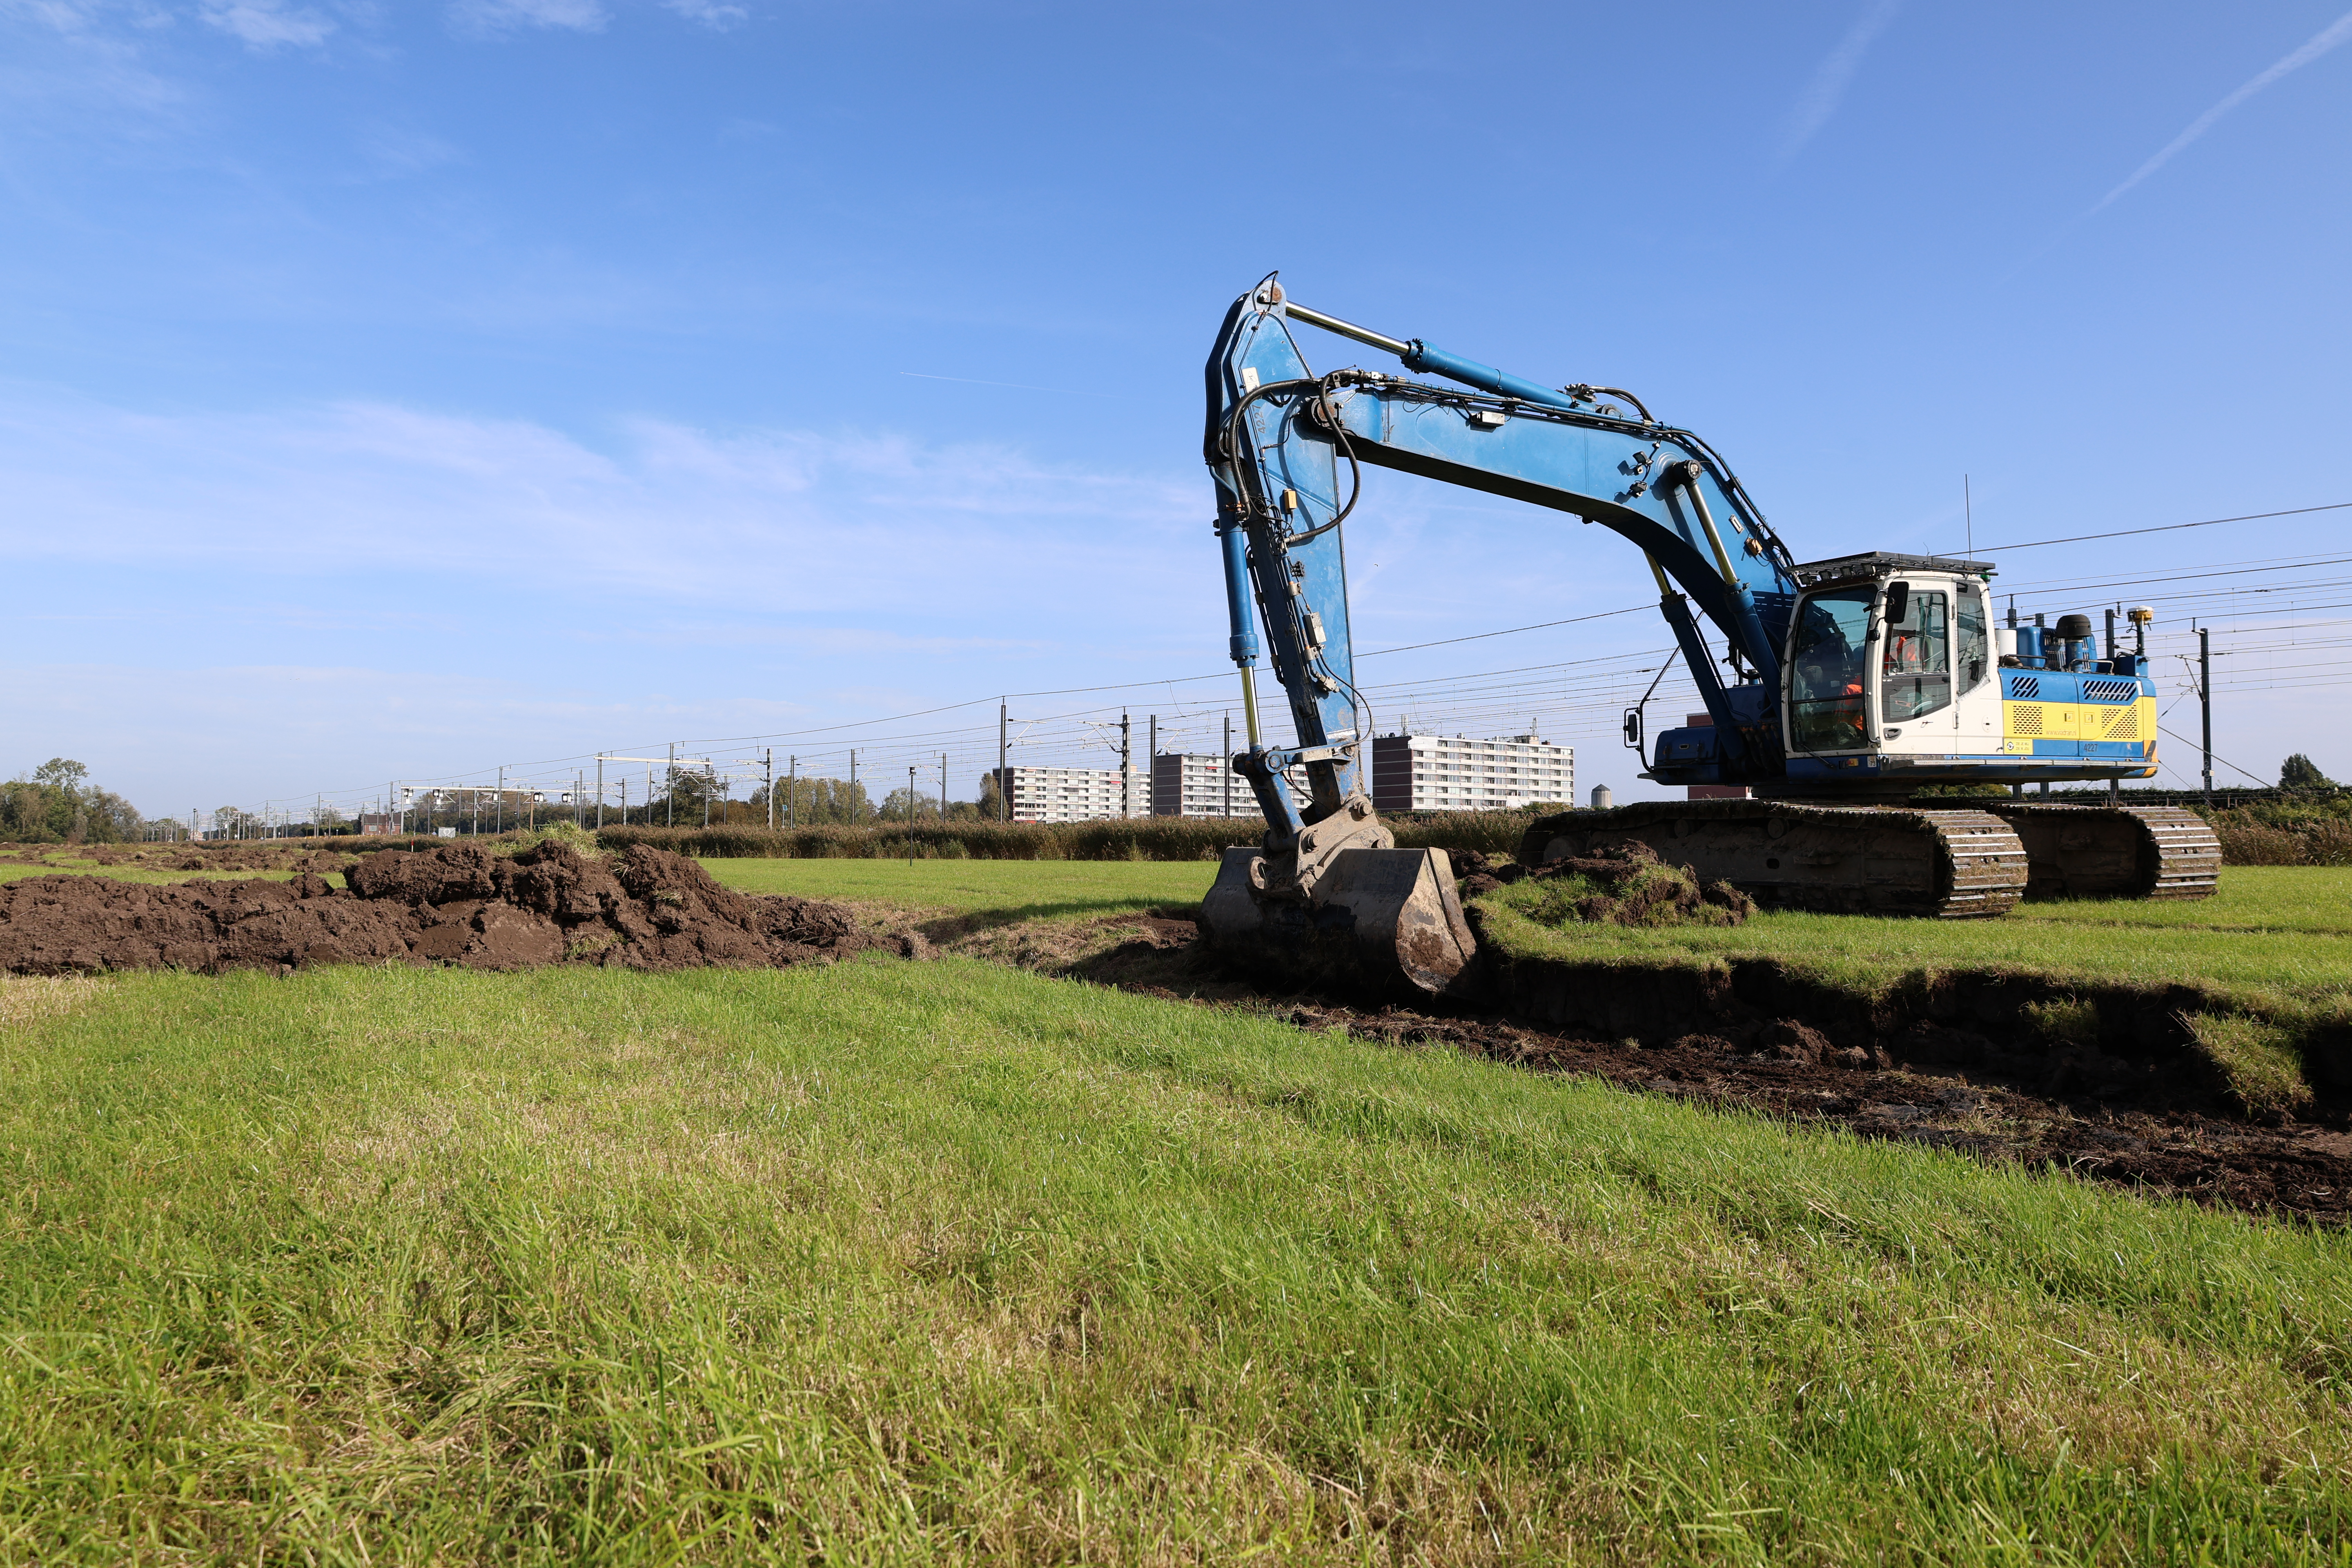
x: 2158, y: 1119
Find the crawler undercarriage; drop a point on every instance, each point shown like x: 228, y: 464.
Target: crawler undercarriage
x: 1945, y: 862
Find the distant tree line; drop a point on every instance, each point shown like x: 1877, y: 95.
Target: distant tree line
x: 56, y: 804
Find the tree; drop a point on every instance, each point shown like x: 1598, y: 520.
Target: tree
x: 61, y: 772
x: 894, y: 805
x: 2299, y: 771
x: 990, y: 798
x: 59, y: 804
x: 110, y: 818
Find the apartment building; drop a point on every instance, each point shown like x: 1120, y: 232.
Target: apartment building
x: 1195, y: 783
x: 1453, y: 772
x: 1074, y: 795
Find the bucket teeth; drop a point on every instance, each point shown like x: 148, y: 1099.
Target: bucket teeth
x: 1379, y: 921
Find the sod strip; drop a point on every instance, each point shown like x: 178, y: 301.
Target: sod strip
x: 949, y: 1262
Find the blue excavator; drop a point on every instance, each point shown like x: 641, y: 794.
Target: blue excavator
x: 1842, y: 689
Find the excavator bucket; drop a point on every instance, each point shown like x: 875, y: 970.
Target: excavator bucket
x: 1384, y: 922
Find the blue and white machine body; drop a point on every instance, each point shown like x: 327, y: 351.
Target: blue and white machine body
x: 1858, y: 678
x: 1284, y: 446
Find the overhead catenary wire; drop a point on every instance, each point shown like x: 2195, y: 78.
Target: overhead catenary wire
x: 2167, y: 527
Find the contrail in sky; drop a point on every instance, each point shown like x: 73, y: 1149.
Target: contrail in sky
x: 2326, y: 39
x: 1827, y: 90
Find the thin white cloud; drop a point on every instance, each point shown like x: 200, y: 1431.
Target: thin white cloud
x: 2327, y: 38
x: 1833, y: 76
x: 777, y: 519
x: 710, y: 13
x: 396, y: 152
x: 266, y: 24
x: 81, y: 16
x: 505, y: 16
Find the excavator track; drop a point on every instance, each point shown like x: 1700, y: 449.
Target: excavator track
x: 1934, y: 863
x: 2114, y: 852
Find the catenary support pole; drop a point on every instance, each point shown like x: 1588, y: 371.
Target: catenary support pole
x: 600, y: 790
x: 1151, y: 769
x: 1125, y: 770
x: 943, y: 787
x: 792, y: 792
x: 768, y: 763
x: 2205, y: 692
x: 669, y: 786
x: 1004, y: 783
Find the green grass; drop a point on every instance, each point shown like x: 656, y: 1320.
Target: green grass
x: 1005, y: 889
x: 2272, y: 929
x: 945, y: 1262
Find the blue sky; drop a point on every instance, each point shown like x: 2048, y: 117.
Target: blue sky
x: 393, y: 392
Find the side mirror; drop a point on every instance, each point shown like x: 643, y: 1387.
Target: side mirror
x: 1898, y: 602
x: 1634, y: 729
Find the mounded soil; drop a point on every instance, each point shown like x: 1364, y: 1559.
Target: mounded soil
x: 641, y: 909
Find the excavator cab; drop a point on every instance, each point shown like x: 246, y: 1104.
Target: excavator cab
x: 1829, y: 670
x: 1888, y: 666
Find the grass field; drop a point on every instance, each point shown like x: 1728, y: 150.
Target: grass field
x: 66, y: 862
x: 1008, y: 889
x: 2283, y: 929
x: 894, y: 1262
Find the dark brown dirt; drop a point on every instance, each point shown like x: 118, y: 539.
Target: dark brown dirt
x: 642, y: 909
x: 2138, y: 1131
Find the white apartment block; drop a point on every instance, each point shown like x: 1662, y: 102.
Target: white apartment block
x: 1195, y: 783
x: 1452, y: 773
x: 1074, y: 794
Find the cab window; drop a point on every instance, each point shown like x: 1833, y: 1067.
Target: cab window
x: 1827, y: 667
x: 1915, y: 671
x: 1971, y: 659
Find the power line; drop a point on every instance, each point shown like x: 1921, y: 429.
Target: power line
x: 2169, y: 527
x: 1507, y: 631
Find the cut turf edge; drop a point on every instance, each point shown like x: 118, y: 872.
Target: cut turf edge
x: 2262, y: 1052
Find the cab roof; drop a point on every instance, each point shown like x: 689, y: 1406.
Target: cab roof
x: 1883, y: 564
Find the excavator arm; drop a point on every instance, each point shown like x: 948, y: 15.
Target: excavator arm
x: 1287, y: 446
